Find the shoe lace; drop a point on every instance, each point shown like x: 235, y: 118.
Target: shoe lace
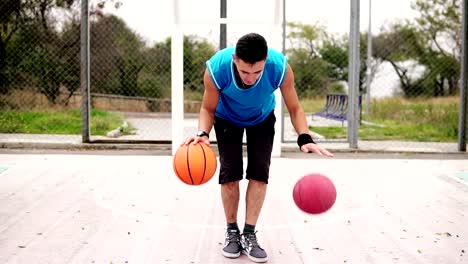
x: 233, y: 236
x: 251, y: 238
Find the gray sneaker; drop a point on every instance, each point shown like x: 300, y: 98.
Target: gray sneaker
x: 232, y: 247
x: 252, y: 249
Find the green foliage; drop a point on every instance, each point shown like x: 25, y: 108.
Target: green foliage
x: 125, y: 66
x: 117, y: 57
x: 337, y: 87
x: 306, y: 36
x: 36, y: 54
x: 153, y: 86
x: 439, y: 19
x: 196, y: 52
x: 155, y: 78
x: 336, y: 54
x: 320, y: 60
x: 9, y: 20
x: 311, y: 72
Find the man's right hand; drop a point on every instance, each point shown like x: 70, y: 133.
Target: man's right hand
x: 196, y: 139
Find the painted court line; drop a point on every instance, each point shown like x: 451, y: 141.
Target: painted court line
x: 3, y: 168
x: 459, y: 176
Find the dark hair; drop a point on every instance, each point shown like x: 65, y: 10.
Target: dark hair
x: 252, y: 48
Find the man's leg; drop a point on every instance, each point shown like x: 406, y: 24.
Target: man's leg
x: 231, y: 171
x: 259, y: 148
x: 230, y: 197
x: 256, y: 191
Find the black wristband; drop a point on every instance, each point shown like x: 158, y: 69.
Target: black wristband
x: 202, y: 133
x: 304, y: 139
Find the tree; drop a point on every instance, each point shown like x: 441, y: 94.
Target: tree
x: 439, y: 24
x: 39, y: 46
x: 116, y: 57
x: 431, y: 42
x: 196, y: 52
x: 335, y: 52
x: 320, y: 60
x: 311, y: 72
x: 401, y: 44
x: 10, y: 18
x: 43, y: 60
x: 155, y: 77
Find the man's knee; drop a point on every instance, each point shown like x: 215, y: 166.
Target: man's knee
x: 258, y: 180
x: 230, y: 185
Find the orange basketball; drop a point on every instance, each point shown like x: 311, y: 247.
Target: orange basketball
x: 195, y: 164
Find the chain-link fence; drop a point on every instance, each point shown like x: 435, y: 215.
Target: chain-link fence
x: 414, y: 73
x: 408, y: 86
x: 130, y: 78
x: 39, y: 68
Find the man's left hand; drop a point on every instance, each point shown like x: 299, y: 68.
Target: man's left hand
x: 314, y: 148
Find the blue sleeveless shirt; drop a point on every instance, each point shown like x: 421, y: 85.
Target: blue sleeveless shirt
x: 246, y: 107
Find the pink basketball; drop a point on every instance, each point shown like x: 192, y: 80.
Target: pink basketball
x: 314, y: 193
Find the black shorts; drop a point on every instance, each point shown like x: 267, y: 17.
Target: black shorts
x: 259, y: 139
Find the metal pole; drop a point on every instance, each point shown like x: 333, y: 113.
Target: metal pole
x: 284, y: 27
x: 177, y: 79
x: 284, y: 52
x: 85, y: 72
x: 353, y: 77
x: 369, y: 60
x: 223, y: 26
x: 463, y: 80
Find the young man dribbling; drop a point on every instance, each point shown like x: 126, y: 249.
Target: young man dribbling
x: 239, y: 96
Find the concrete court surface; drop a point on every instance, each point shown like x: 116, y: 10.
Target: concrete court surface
x: 95, y: 208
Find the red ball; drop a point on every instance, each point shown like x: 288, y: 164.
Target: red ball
x: 314, y: 193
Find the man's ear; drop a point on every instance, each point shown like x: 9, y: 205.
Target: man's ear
x: 234, y: 57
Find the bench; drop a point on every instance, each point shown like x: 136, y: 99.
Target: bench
x: 336, y: 107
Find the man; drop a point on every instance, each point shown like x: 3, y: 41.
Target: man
x: 239, y: 95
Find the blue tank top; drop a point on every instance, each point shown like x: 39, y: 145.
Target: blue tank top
x: 246, y: 107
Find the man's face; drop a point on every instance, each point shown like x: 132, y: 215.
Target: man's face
x: 249, y: 73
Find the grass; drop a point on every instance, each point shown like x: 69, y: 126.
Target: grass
x: 391, y: 131
x: 57, y: 122
x: 429, y: 120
